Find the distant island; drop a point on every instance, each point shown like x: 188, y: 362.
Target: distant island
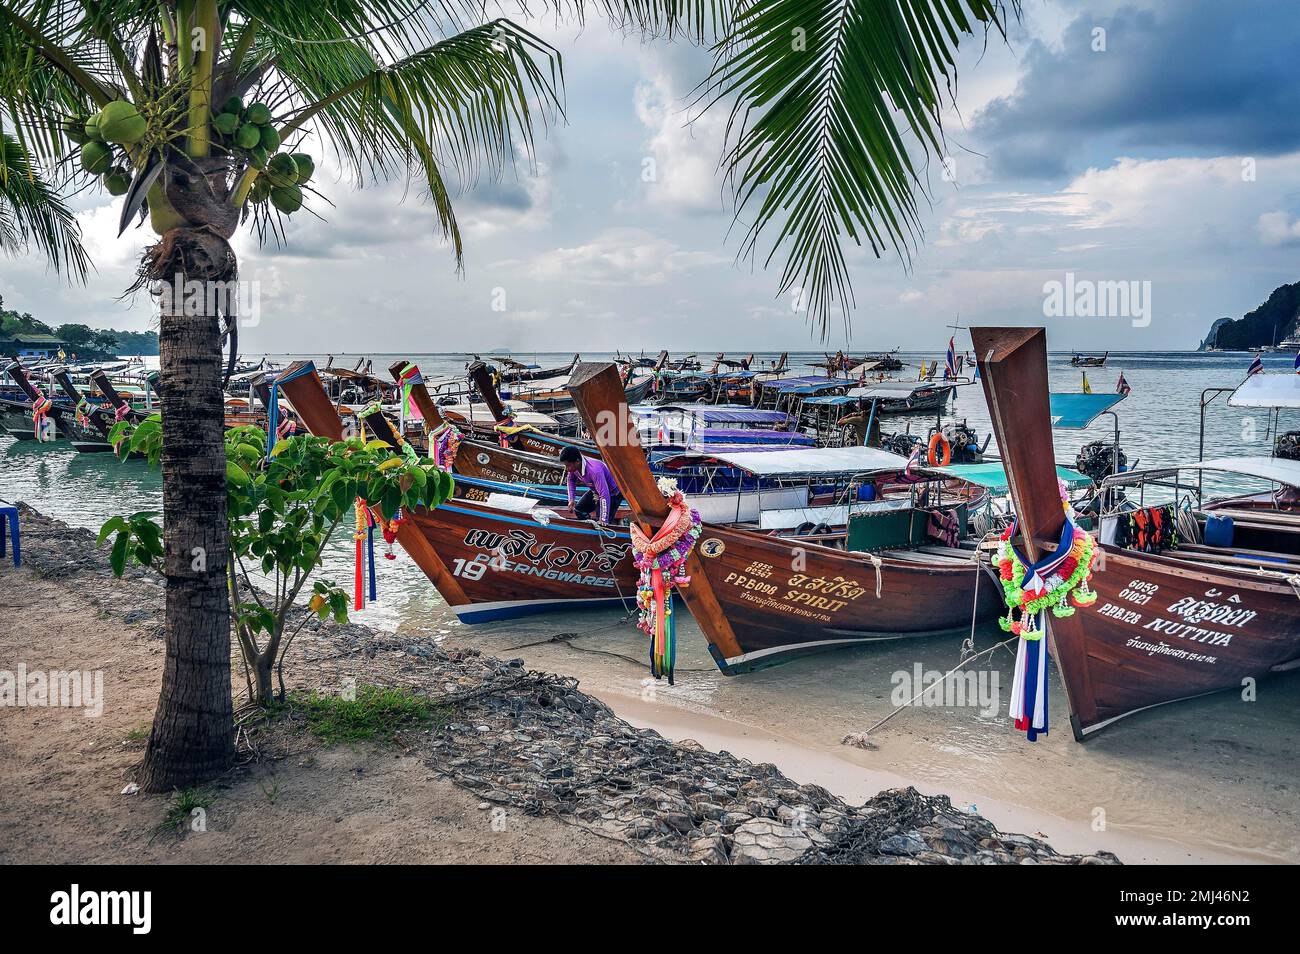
x: 25, y: 334
x: 1264, y: 327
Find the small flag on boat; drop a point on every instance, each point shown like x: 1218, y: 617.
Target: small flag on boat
x: 1087, y: 388
x: 950, y: 368
x: 1122, y: 386
x: 1257, y: 366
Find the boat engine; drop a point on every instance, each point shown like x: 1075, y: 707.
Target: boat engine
x: 1097, y: 460
x: 901, y: 444
x: 1287, y: 446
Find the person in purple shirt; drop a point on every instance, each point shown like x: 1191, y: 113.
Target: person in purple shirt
x: 594, y: 475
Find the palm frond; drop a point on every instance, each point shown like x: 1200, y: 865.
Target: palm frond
x: 33, y: 216
x: 820, y: 93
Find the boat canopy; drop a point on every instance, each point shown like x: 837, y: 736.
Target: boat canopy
x: 810, y: 384
x: 1277, y: 469
x: 1267, y: 390
x: 993, y: 476
x: 895, y: 390
x: 714, y: 413
x: 1076, y: 411
x: 812, y: 461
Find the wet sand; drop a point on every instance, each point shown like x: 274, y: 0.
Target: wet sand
x: 1210, y: 780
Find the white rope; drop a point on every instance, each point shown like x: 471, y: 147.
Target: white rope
x: 875, y: 562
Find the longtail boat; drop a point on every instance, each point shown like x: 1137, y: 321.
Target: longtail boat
x: 761, y: 599
x: 1199, y: 617
x: 90, y: 425
x: 1089, y: 360
x: 39, y: 417
x: 512, y: 371
x: 486, y: 562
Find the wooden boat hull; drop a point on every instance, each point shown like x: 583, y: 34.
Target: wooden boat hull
x: 492, y: 462
x: 1162, y: 631
x: 777, y: 613
x: 507, y: 565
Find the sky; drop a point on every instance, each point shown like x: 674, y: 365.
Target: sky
x: 1154, y: 144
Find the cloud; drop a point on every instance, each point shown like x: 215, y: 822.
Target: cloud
x: 1198, y: 77
x: 619, y: 256
x: 680, y: 169
x: 1278, y: 228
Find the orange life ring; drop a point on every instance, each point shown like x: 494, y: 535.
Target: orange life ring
x: 939, y: 440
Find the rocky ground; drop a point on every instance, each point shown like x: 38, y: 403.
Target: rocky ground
x: 526, y: 745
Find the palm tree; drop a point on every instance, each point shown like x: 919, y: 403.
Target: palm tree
x: 821, y: 94
x: 375, y: 81
x: 33, y: 215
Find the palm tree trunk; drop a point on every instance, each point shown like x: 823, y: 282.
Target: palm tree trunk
x: 193, y: 729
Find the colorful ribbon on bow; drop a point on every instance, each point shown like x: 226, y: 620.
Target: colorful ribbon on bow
x: 407, y: 379
x: 364, y: 538
x: 41, y: 408
x: 662, y: 560
x: 444, y: 441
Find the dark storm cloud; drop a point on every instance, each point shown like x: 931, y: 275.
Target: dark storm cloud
x: 1193, y: 77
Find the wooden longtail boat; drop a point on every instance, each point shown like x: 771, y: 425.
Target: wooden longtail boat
x: 17, y: 416
x: 489, y: 563
x: 1165, y: 627
x: 92, y: 436
x: 761, y: 600
x: 512, y: 371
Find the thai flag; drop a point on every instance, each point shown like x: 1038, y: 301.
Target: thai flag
x: 1122, y: 386
x: 1257, y: 365
x: 950, y: 370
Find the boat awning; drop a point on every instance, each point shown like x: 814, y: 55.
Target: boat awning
x: 1075, y: 411
x: 892, y: 390
x: 1267, y: 390
x: 714, y: 413
x: 812, y: 461
x: 993, y: 476
x: 830, y: 400
x: 1277, y: 469
x: 809, y: 384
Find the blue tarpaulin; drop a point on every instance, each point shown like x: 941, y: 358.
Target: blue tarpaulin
x: 1074, y: 412
x: 993, y: 476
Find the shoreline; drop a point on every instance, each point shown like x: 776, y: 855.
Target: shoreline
x: 555, y: 765
x: 847, y: 774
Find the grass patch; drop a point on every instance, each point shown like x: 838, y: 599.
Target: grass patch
x: 180, y: 811
x: 137, y: 736
x: 375, y: 715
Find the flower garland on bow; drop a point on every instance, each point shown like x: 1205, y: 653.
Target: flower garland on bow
x: 662, y: 562
x: 364, y: 538
x: 1030, y: 588
x: 407, y: 379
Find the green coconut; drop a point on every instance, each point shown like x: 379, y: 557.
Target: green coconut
x: 287, y: 199
x: 226, y: 123
x: 233, y: 105
x: 248, y: 136
x: 96, y: 157
x: 282, y: 170
x: 121, y: 122
x: 257, y: 157
x: 92, y: 128
x: 306, y: 166
x: 118, y: 181
x: 270, y: 139
x: 74, y: 128
x: 259, y: 113
x: 261, y: 190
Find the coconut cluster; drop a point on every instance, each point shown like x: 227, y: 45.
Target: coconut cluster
x: 103, y: 138
x: 248, y: 130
